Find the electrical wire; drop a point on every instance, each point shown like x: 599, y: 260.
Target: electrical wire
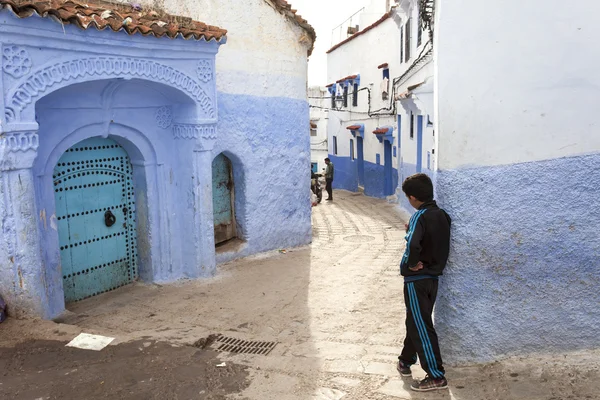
x: 426, y: 51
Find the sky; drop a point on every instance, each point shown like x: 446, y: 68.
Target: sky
x: 324, y: 15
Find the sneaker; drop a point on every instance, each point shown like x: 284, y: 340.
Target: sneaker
x: 428, y: 384
x: 404, y: 369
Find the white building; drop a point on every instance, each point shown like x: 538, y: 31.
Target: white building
x: 518, y: 92
x: 264, y: 66
x: 380, y: 128
x: 319, y: 114
x: 164, y: 162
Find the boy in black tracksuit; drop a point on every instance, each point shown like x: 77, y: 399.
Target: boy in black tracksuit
x: 427, y: 247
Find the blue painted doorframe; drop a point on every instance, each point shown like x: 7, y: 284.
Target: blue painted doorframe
x: 223, y: 201
x: 419, y: 143
x: 95, y: 212
x: 387, y: 168
x: 360, y: 157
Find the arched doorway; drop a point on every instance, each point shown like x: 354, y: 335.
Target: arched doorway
x: 95, y: 214
x: 223, y: 199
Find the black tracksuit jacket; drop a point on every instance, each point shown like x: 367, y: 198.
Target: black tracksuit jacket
x: 428, y: 241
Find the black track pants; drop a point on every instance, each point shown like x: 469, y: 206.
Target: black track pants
x: 421, y: 339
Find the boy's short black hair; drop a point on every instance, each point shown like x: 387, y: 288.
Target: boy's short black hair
x: 327, y: 159
x: 419, y: 186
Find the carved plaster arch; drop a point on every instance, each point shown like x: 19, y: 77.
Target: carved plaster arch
x: 53, y: 77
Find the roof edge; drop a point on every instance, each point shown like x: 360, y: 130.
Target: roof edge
x: 105, y: 14
x: 286, y: 9
x: 386, y: 16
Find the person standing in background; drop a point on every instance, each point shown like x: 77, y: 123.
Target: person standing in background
x: 329, y: 178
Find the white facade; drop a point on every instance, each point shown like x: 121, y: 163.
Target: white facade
x: 519, y: 85
x: 517, y: 94
x: 414, y: 92
x: 319, y: 114
x: 381, y: 40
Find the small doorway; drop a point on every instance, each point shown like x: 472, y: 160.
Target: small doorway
x: 95, y: 213
x: 360, y: 157
x: 387, y: 168
x: 223, y: 200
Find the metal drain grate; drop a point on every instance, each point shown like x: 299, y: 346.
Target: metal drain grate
x: 233, y: 345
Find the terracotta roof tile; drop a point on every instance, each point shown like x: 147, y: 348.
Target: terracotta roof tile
x: 313, y: 125
x: 353, y: 127
x: 384, y: 65
x: 381, y: 131
x: 347, y: 78
x: 368, y: 28
x: 286, y: 9
x: 102, y: 14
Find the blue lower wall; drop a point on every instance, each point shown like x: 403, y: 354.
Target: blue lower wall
x: 407, y: 170
x: 346, y: 173
x: 524, y: 268
x: 346, y: 176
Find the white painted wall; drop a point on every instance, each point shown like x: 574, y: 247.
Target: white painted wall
x: 521, y: 86
x: 373, y: 11
x: 421, y: 101
x: 265, y: 54
x: 361, y: 56
x: 317, y: 98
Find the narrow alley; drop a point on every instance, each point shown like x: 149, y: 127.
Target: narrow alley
x: 331, y: 315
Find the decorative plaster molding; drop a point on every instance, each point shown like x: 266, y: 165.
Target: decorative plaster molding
x: 20, y: 141
x: 205, y: 70
x: 42, y: 80
x: 16, y: 61
x: 164, y: 117
x: 190, y: 131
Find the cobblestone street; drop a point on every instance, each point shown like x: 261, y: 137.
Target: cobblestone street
x: 334, y: 310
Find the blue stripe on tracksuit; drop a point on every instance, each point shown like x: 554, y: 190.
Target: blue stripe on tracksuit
x: 411, y: 230
x: 423, y: 335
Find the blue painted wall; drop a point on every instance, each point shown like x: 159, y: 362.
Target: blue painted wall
x: 163, y: 112
x: 523, y: 273
x: 270, y: 152
x: 346, y: 176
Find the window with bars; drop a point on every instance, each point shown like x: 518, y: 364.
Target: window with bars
x: 345, y: 96
x: 334, y: 145
x: 407, y: 39
x: 401, y: 45
x: 355, y: 95
x: 419, y: 30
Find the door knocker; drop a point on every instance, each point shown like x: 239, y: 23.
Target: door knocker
x: 109, y: 218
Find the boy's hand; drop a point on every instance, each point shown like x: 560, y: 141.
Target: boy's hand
x: 406, y: 227
x: 417, y: 267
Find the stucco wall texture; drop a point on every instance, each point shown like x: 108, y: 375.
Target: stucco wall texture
x: 263, y: 119
x: 261, y: 125
x: 523, y: 270
x: 519, y: 173
x: 272, y: 182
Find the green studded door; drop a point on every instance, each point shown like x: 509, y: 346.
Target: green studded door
x: 95, y: 212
